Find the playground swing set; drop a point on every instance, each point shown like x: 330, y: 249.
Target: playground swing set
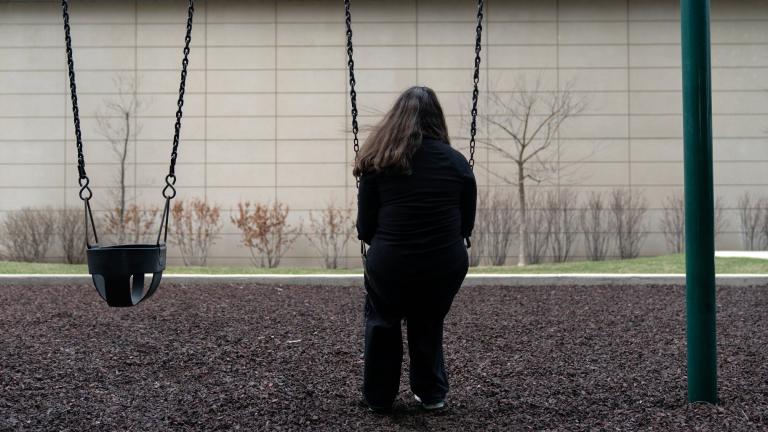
x: 118, y: 271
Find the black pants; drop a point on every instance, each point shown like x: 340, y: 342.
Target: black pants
x: 423, y: 301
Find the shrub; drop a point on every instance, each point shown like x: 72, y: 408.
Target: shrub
x: 330, y: 232
x: 496, y: 222
x: 70, y: 228
x: 537, y: 235
x: 627, y: 211
x: 27, y: 234
x: 751, y: 214
x: 560, y: 215
x: 673, y: 221
x: 195, y: 227
x: 135, y: 225
x: 265, y: 231
x: 594, y: 224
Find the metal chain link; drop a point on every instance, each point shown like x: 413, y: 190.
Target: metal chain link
x: 476, y: 81
x: 353, y: 103
x: 85, y: 190
x: 352, y: 82
x: 169, y: 191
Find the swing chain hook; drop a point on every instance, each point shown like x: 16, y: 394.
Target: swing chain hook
x: 169, y: 191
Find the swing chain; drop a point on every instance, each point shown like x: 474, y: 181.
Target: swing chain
x: 353, y: 103
x: 169, y: 191
x: 83, y: 181
x: 352, y: 82
x: 476, y: 81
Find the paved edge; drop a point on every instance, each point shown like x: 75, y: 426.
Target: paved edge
x: 485, y: 279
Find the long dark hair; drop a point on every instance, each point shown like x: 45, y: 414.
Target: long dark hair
x: 392, y: 143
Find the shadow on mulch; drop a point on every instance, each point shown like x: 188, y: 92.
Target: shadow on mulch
x: 288, y: 358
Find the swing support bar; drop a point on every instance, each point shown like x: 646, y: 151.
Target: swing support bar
x: 699, y: 202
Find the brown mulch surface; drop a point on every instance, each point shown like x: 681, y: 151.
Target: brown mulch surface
x: 288, y: 358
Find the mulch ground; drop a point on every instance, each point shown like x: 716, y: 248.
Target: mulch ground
x: 289, y: 358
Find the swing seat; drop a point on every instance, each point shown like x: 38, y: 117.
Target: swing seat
x: 118, y: 271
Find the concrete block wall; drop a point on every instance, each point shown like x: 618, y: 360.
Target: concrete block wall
x: 266, y: 114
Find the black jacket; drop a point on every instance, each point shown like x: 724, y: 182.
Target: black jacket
x: 430, y: 210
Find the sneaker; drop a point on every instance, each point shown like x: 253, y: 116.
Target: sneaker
x: 430, y: 406
x: 376, y: 409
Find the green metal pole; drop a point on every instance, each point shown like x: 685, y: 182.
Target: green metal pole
x: 699, y: 202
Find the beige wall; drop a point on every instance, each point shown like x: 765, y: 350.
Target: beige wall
x: 266, y: 110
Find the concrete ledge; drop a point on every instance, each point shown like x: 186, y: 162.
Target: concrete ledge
x: 486, y: 279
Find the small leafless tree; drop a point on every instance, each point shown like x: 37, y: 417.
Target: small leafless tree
x: 672, y: 222
x: 27, y: 234
x: 628, y: 209
x: 751, y: 214
x: 523, y: 129
x: 594, y: 220
x: 501, y: 222
x: 196, y: 225
x: 115, y: 123
x: 70, y: 227
x: 537, y: 236
x: 560, y: 215
x: 265, y: 231
x: 331, y: 229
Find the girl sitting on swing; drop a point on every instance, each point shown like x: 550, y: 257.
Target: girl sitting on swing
x: 416, y: 205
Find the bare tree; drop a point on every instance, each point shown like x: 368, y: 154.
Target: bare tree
x: 523, y: 130
x: 196, y: 225
x: 628, y: 210
x: 114, y: 124
x: 537, y: 236
x: 331, y: 229
x: 751, y: 210
x: 561, y: 219
x: 594, y: 224
x: 27, y: 234
x: 70, y: 228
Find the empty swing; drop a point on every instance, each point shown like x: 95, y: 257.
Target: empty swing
x: 353, y: 95
x: 118, y: 271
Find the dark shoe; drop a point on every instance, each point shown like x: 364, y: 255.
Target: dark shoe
x: 433, y: 406
x: 376, y: 408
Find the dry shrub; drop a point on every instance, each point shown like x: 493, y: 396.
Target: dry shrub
x: 27, y: 234
x: 71, y: 233
x: 136, y: 225
x: 594, y: 220
x: 196, y: 225
x: 673, y: 221
x: 560, y: 215
x: 751, y: 215
x: 628, y: 210
x: 496, y: 223
x: 265, y: 231
x: 330, y: 231
x: 537, y: 235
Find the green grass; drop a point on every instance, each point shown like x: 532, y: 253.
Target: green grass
x: 661, y: 264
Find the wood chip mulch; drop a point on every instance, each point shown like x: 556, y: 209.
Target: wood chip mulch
x: 250, y: 357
